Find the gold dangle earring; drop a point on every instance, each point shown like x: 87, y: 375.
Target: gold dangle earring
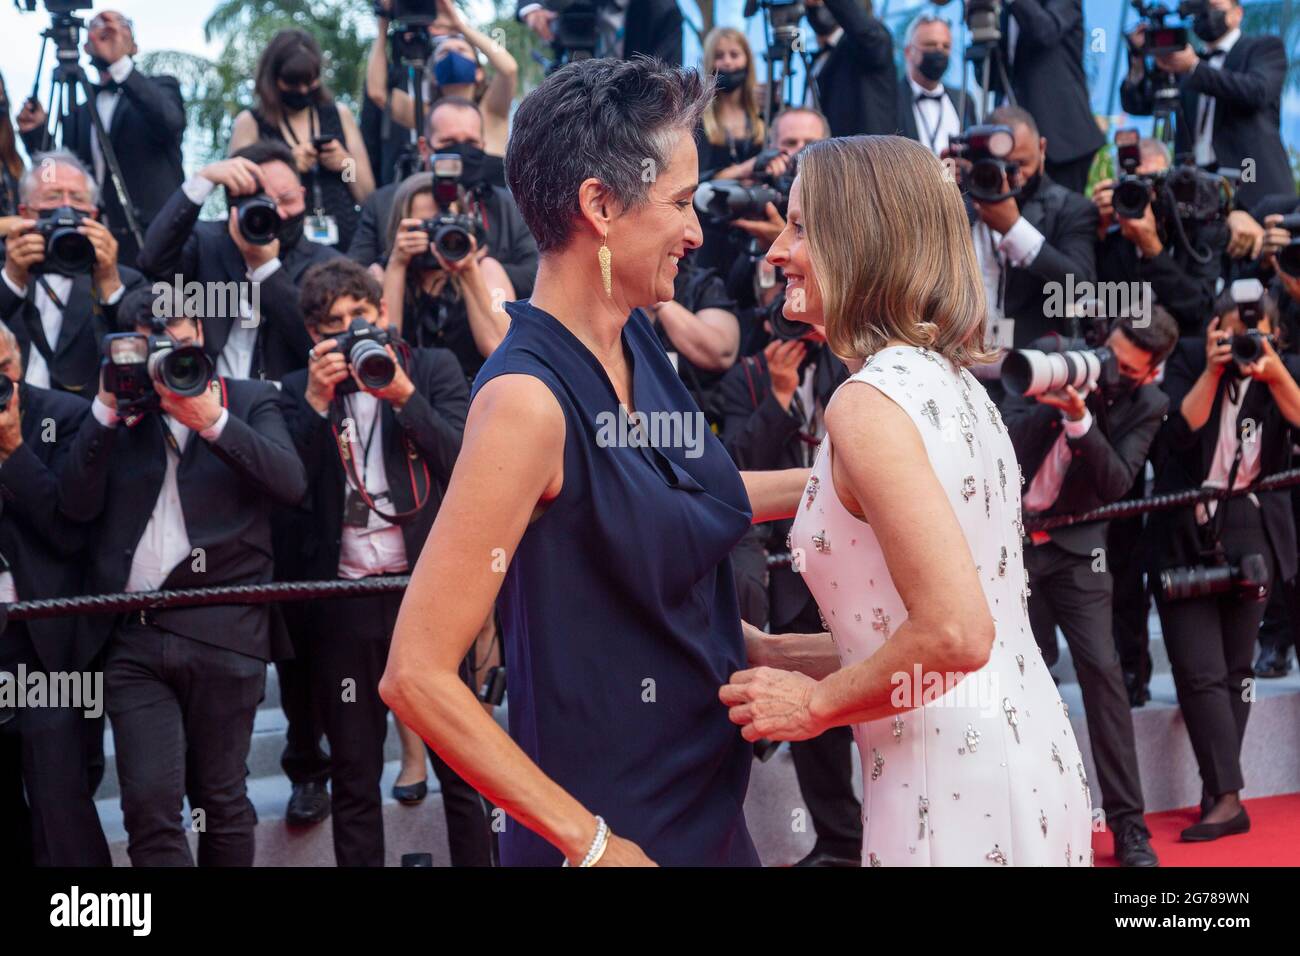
x: 606, y: 272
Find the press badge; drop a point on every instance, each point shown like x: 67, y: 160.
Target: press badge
x: 322, y: 230
x: 356, y: 513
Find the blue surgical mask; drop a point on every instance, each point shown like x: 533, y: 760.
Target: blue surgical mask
x: 455, y: 68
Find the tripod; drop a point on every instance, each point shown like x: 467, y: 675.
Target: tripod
x: 986, y: 56
x: 67, y: 79
x: 411, y: 49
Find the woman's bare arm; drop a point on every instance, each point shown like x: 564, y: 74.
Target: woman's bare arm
x: 511, y: 460
x: 774, y: 495
x: 811, y: 654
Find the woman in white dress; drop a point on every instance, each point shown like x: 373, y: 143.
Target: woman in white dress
x: 909, y: 537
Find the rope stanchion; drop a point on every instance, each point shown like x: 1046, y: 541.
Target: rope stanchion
x: 198, y: 597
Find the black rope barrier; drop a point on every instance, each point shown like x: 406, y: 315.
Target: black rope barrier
x: 198, y: 597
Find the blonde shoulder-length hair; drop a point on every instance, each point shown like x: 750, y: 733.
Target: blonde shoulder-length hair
x: 749, y: 99
x: 891, y: 245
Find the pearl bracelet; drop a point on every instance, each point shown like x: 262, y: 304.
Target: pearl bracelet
x: 598, y: 844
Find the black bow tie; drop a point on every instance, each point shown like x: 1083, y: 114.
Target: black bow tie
x: 929, y: 96
x: 1211, y: 54
x: 112, y: 86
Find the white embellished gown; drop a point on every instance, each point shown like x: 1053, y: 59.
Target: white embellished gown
x: 990, y: 773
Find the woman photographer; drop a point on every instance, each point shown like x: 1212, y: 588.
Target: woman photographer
x: 1231, y: 422
x: 11, y: 166
x: 456, y: 305
x: 296, y: 108
x: 454, y: 71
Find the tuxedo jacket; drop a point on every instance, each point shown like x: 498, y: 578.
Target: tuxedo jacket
x: 1046, y: 74
x: 43, y: 547
x: 308, y: 537
x: 111, y: 483
x: 1104, y: 461
x: 146, y: 132
x: 1179, y: 282
x: 856, y: 85
x: 86, y: 320
x: 1183, y: 458
x: 1247, y: 91
x: 907, y: 117
x: 179, y: 245
x: 1068, y: 222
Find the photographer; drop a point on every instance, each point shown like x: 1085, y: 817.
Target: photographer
x: 1232, y: 421
x: 624, y: 28
x: 924, y: 102
x: 1079, y: 452
x: 857, y: 87
x: 43, y: 750
x: 456, y: 72
x: 1031, y: 241
x: 143, y: 117
x: 179, y: 491
x: 1230, y: 95
x: 451, y: 304
x: 1042, y: 43
x: 263, y: 343
x: 378, y: 459
x: 773, y: 405
x: 295, y: 108
x: 1180, y: 260
x: 455, y: 126
x: 59, y: 297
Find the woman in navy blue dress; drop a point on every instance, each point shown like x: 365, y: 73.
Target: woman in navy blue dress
x: 592, y: 502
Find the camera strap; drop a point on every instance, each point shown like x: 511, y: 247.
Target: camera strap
x: 1213, y: 545
x: 419, y: 481
x: 314, y: 174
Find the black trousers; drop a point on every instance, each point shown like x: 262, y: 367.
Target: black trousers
x: 351, y: 638
x: 1282, y: 614
x: 303, y: 760
x: 47, y: 783
x: 1132, y: 599
x: 824, y: 767
x: 1066, y: 591
x: 1210, y: 641
x: 182, y: 714
x: 1072, y: 174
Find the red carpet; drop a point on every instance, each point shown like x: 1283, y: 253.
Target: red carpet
x: 1273, y: 840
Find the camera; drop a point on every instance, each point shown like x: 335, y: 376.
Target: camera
x: 985, y: 148
x: 363, y: 345
x: 55, y: 6
x: 1030, y: 372
x: 133, y: 362
x: 67, y: 251
x: 1248, y: 579
x: 1185, y: 192
x: 1288, y: 257
x: 574, y: 30
x: 784, y: 329
x: 1159, y: 39
x: 449, y: 232
x: 722, y: 201
x: 983, y: 19
x: 259, y: 220
x: 1248, y: 346
x: 1132, y: 193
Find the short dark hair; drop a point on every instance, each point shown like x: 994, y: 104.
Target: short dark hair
x: 267, y: 151
x: 1157, y: 336
x: 1014, y: 116
x: 596, y: 118
x: 140, y: 307
x: 297, y: 53
x: 461, y: 102
x: 327, y: 282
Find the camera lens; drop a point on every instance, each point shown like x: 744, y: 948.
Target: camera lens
x: 452, y: 242
x: 259, y: 222
x: 1131, y: 198
x: 185, y: 370
x: 986, y: 178
x: 372, y: 363
x: 1247, y: 348
x: 69, y: 252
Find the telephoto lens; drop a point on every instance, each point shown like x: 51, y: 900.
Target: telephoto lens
x: 259, y: 221
x: 1030, y: 372
x: 726, y: 200
x: 1249, y: 579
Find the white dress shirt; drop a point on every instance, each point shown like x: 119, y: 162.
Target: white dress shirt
x: 165, y: 542
x: 1204, y: 129
x: 1225, y: 449
x: 236, y: 358
x: 936, y: 118
x: 378, y: 548
x: 1050, y: 477
x: 1018, y: 248
x: 37, y: 370
x: 106, y: 104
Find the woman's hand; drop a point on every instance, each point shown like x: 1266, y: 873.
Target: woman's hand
x: 304, y: 156
x: 411, y: 241
x: 772, y: 704
x: 334, y: 157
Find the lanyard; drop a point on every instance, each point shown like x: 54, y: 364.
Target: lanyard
x: 314, y: 174
x: 365, y: 448
x: 938, y: 123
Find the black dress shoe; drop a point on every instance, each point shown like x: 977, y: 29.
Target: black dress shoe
x: 1138, y: 691
x: 1204, y: 832
x: 1272, y: 662
x: 411, y: 793
x: 309, y: 804
x: 827, y: 858
x: 1133, y: 848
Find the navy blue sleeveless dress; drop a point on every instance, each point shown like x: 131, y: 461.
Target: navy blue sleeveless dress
x: 619, y: 612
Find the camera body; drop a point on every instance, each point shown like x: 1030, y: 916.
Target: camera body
x: 1159, y: 39
x: 1288, y: 257
x: 67, y: 252
x: 1248, y: 346
x: 133, y: 362
x: 574, y: 29
x: 1184, y: 192
x: 983, y: 19
x: 448, y: 231
x: 985, y: 148
x: 259, y: 220
x: 364, y: 347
